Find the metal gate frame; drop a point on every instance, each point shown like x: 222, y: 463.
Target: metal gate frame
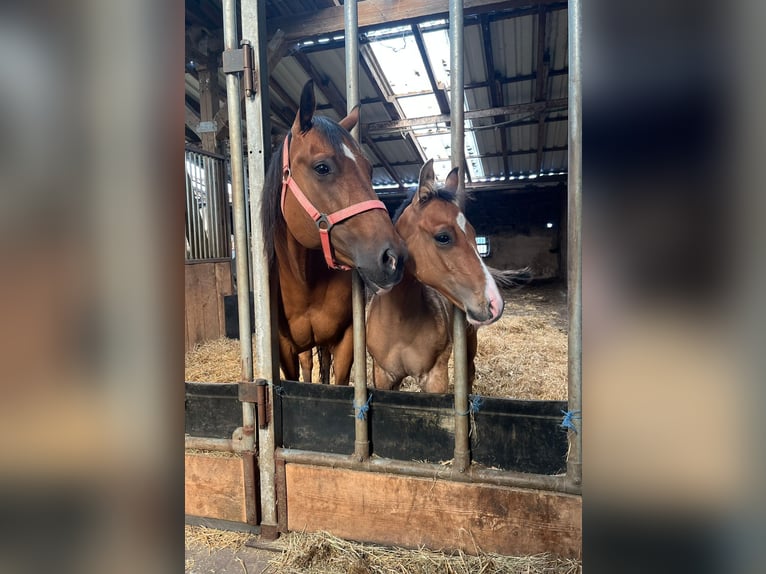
x: 266, y: 364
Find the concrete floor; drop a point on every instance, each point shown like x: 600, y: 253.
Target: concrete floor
x: 247, y: 560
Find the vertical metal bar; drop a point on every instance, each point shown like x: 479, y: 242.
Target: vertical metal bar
x: 195, y: 209
x: 219, y: 187
x: 574, y: 252
x: 215, y: 225
x: 457, y: 120
x: 206, y: 209
x: 240, y: 231
x: 258, y: 148
x: 189, y: 236
x: 361, y: 424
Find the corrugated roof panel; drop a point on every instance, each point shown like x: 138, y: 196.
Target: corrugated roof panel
x: 292, y: 77
x: 474, y: 65
x: 555, y: 161
x: 522, y: 137
x: 493, y: 166
x: 513, y: 45
x: 557, y: 34
x: 523, y: 164
x: 374, y: 112
x: 397, y: 151
x: 519, y: 93
x: 558, y: 87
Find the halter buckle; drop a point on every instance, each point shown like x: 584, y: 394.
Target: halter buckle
x: 323, y: 219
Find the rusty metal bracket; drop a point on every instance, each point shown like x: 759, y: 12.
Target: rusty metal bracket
x: 257, y: 392
x: 241, y: 60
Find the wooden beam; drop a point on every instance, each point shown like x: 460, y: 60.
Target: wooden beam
x: 336, y: 99
x: 329, y: 21
x: 532, y: 107
x: 439, y: 514
x: 192, y: 119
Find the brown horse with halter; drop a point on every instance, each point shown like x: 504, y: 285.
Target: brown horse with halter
x: 409, y: 329
x: 322, y: 218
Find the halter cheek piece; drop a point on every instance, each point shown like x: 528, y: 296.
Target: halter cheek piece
x: 324, y: 222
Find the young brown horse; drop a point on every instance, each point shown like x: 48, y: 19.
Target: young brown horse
x: 409, y: 329
x: 322, y: 218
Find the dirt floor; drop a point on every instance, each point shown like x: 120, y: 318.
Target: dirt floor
x: 523, y: 355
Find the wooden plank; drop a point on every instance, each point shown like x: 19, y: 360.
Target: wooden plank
x: 208, y: 300
x: 223, y: 287
x: 214, y: 487
x: 195, y: 325
x: 329, y: 21
x: 437, y: 514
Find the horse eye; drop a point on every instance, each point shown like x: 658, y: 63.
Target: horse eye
x: 322, y: 169
x: 443, y: 239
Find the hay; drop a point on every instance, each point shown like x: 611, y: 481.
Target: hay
x: 212, y: 453
x: 522, y: 356
x: 213, y: 539
x: 322, y: 553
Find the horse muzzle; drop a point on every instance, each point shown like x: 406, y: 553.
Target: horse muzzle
x: 384, y: 270
x: 486, y: 314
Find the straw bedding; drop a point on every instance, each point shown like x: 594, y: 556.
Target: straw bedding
x: 322, y: 553
x: 523, y: 355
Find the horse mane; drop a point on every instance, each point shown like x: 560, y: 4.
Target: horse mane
x: 439, y: 193
x: 273, y: 222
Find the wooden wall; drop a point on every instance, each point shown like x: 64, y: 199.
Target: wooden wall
x: 206, y: 284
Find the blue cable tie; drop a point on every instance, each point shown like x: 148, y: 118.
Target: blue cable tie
x: 476, y: 403
x: 362, y: 414
x: 569, y: 418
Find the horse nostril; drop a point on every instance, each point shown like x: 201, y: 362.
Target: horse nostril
x: 390, y: 260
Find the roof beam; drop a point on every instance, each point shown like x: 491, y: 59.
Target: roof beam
x: 382, y: 158
x: 496, y: 90
x: 439, y: 92
x: 541, y: 82
x: 532, y: 107
x: 371, y: 67
x: 329, y: 21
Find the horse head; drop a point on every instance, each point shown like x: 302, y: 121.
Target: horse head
x: 327, y: 198
x: 442, y: 248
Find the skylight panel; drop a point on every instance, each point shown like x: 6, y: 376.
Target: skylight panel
x: 400, y: 60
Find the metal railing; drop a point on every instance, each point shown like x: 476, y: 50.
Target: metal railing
x: 208, y: 207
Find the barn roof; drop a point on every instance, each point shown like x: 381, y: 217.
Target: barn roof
x: 515, y: 82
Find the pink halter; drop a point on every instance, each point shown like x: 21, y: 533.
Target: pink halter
x: 323, y: 221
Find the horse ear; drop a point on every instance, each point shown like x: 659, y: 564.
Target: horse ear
x: 305, y: 113
x: 426, y: 182
x: 351, y: 119
x: 452, y: 181
x: 451, y: 184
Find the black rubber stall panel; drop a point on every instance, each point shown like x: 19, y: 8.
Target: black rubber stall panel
x: 525, y: 436
x: 231, y: 315
x: 315, y: 417
x: 412, y: 426
x: 213, y: 410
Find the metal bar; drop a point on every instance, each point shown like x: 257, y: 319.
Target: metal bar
x: 459, y: 348
x: 239, y: 206
x: 361, y: 425
x: 554, y: 483
x: 527, y: 108
x: 215, y: 209
x: 574, y: 252
x: 189, y: 238
x: 258, y: 149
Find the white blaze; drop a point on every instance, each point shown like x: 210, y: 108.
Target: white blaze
x: 348, y: 152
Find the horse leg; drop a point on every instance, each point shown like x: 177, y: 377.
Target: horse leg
x: 383, y: 380
x: 306, y: 359
x: 324, y: 365
x: 437, y: 379
x: 343, y: 357
x: 288, y: 358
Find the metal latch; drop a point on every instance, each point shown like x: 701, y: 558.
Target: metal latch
x: 235, y: 61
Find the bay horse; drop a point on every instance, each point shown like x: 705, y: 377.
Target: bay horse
x: 321, y: 218
x: 409, y: 328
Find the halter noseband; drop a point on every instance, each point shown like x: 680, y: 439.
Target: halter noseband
x: 324, y: 222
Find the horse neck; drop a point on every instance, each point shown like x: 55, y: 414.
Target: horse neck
x: 413, y: 298
x: 301, y: 264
